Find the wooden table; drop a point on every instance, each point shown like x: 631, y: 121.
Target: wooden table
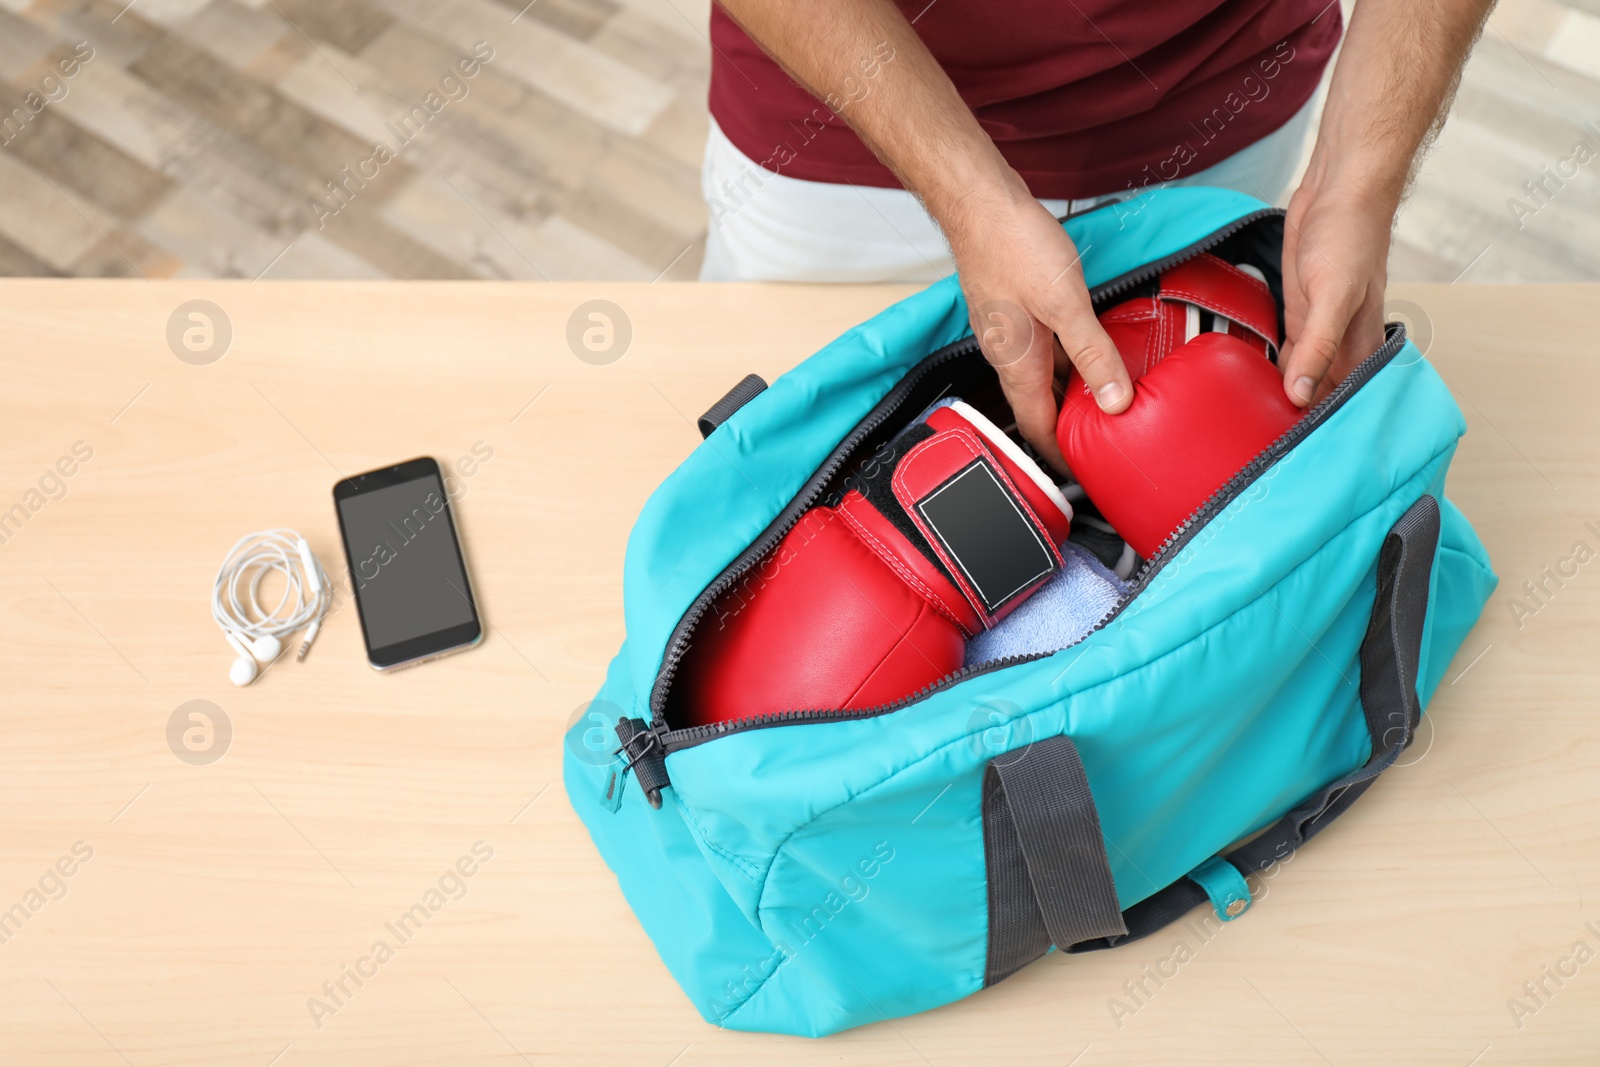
x: 217, y: 898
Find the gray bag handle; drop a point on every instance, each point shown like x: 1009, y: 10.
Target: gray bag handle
x: 1390, y: 654
x: 1049, y: 877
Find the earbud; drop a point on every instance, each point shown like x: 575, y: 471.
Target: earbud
x: 252, y: 655
x: 244, y: 669
x: 258, y: 631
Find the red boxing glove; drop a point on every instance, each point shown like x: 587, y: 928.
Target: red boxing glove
x: 869, y: 601
x: 1206, y: 399
x: 1197, y: 418
x: 1200, y: 295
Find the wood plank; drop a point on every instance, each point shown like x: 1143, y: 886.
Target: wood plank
x: 118, y: 36
x: 1409, y: 264
x: 565, y: 251
x: 22, y: 45
x: 1565, y: 230
x: 164, y: 135
x: 349, y: 25
x: 285, y: 129
x: 681, y: 130
x: 583, y: 78
x: 654, y: 183
x: 502, y: 119
x: 285, y: 54
x: 74, y: 157
x: 643, y: 223
x: 168, y: 13
x: 1515, y: 118
x: 581, y: 19
x: 235, y: 34
x: 212, y: 241
x: 314, y: 256
x: 552, y: 128
x: 126, y: 254
x: 622, y: 224
x: 658, y: 49
x: 361, y: 230
x: 1530, y: 79
x: 40, y: 218
x: 1453, y: 230
x: 126, y: 112
x: 449, y: 219
x: 18, y: 262
x: 689, y: 19
x: 339, y: 87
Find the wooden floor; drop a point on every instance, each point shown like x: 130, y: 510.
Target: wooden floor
x: 234, y: 138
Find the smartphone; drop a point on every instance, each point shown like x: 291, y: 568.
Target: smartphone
x: 406, y: 564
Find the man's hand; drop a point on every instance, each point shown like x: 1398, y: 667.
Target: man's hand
x: 1391, y: 89
x: 1030, y: 310
x: 1019, y: 269
x: 1335, y: 269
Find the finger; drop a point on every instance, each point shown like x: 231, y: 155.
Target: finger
x: 1366, y: 334
x: 1090, y: 349
x: 1029, y: 385
x: 1308, y: 355
x: 1294, y: 298
x: 1362, y: 337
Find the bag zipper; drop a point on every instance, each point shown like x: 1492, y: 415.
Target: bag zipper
x: 678, y: 643
x: 671, y: 740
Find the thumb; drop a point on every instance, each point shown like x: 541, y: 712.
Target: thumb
x: 1090, y: 349
x: 1308, y: 356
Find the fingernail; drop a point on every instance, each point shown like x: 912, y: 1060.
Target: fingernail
x: 1108, y: 394
x: 1304, y: 388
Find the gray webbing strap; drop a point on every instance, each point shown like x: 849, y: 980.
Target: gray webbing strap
x: 1390, y: 655
x: 1049, y: 878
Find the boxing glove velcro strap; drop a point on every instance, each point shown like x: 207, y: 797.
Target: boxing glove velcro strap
x: 979, y: 525
x: 1223, y: 289
x: 951, y: 513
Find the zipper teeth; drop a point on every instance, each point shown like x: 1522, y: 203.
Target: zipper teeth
x: 1150, y: 270
x: 693, y: 735
x: 1264, y: 460
x: 791, y: 516
x: 678, y: 643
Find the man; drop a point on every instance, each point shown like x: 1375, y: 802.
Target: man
x: 972, y: 113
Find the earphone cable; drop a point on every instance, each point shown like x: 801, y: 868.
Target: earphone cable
x: 236, y: 595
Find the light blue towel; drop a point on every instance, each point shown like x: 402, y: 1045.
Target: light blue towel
x: 1062, y: 611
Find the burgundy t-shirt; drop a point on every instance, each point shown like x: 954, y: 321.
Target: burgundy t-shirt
x: 1083, y: 97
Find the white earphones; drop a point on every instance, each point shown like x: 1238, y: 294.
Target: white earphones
x: 255, y: 632
x: 252, y: 656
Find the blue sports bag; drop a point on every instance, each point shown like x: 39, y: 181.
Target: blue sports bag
x: 808, y: 872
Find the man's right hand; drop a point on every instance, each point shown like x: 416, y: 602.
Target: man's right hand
x: 1030, y: 309
x: 1018, y: 268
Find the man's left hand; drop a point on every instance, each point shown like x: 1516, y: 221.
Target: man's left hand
x: 1335, y: 268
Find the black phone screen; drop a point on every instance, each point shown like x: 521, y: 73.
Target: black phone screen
x: 405, y: 563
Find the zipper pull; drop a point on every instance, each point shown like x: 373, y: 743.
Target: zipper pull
x: 616, y: 779
x: 647, y: 759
